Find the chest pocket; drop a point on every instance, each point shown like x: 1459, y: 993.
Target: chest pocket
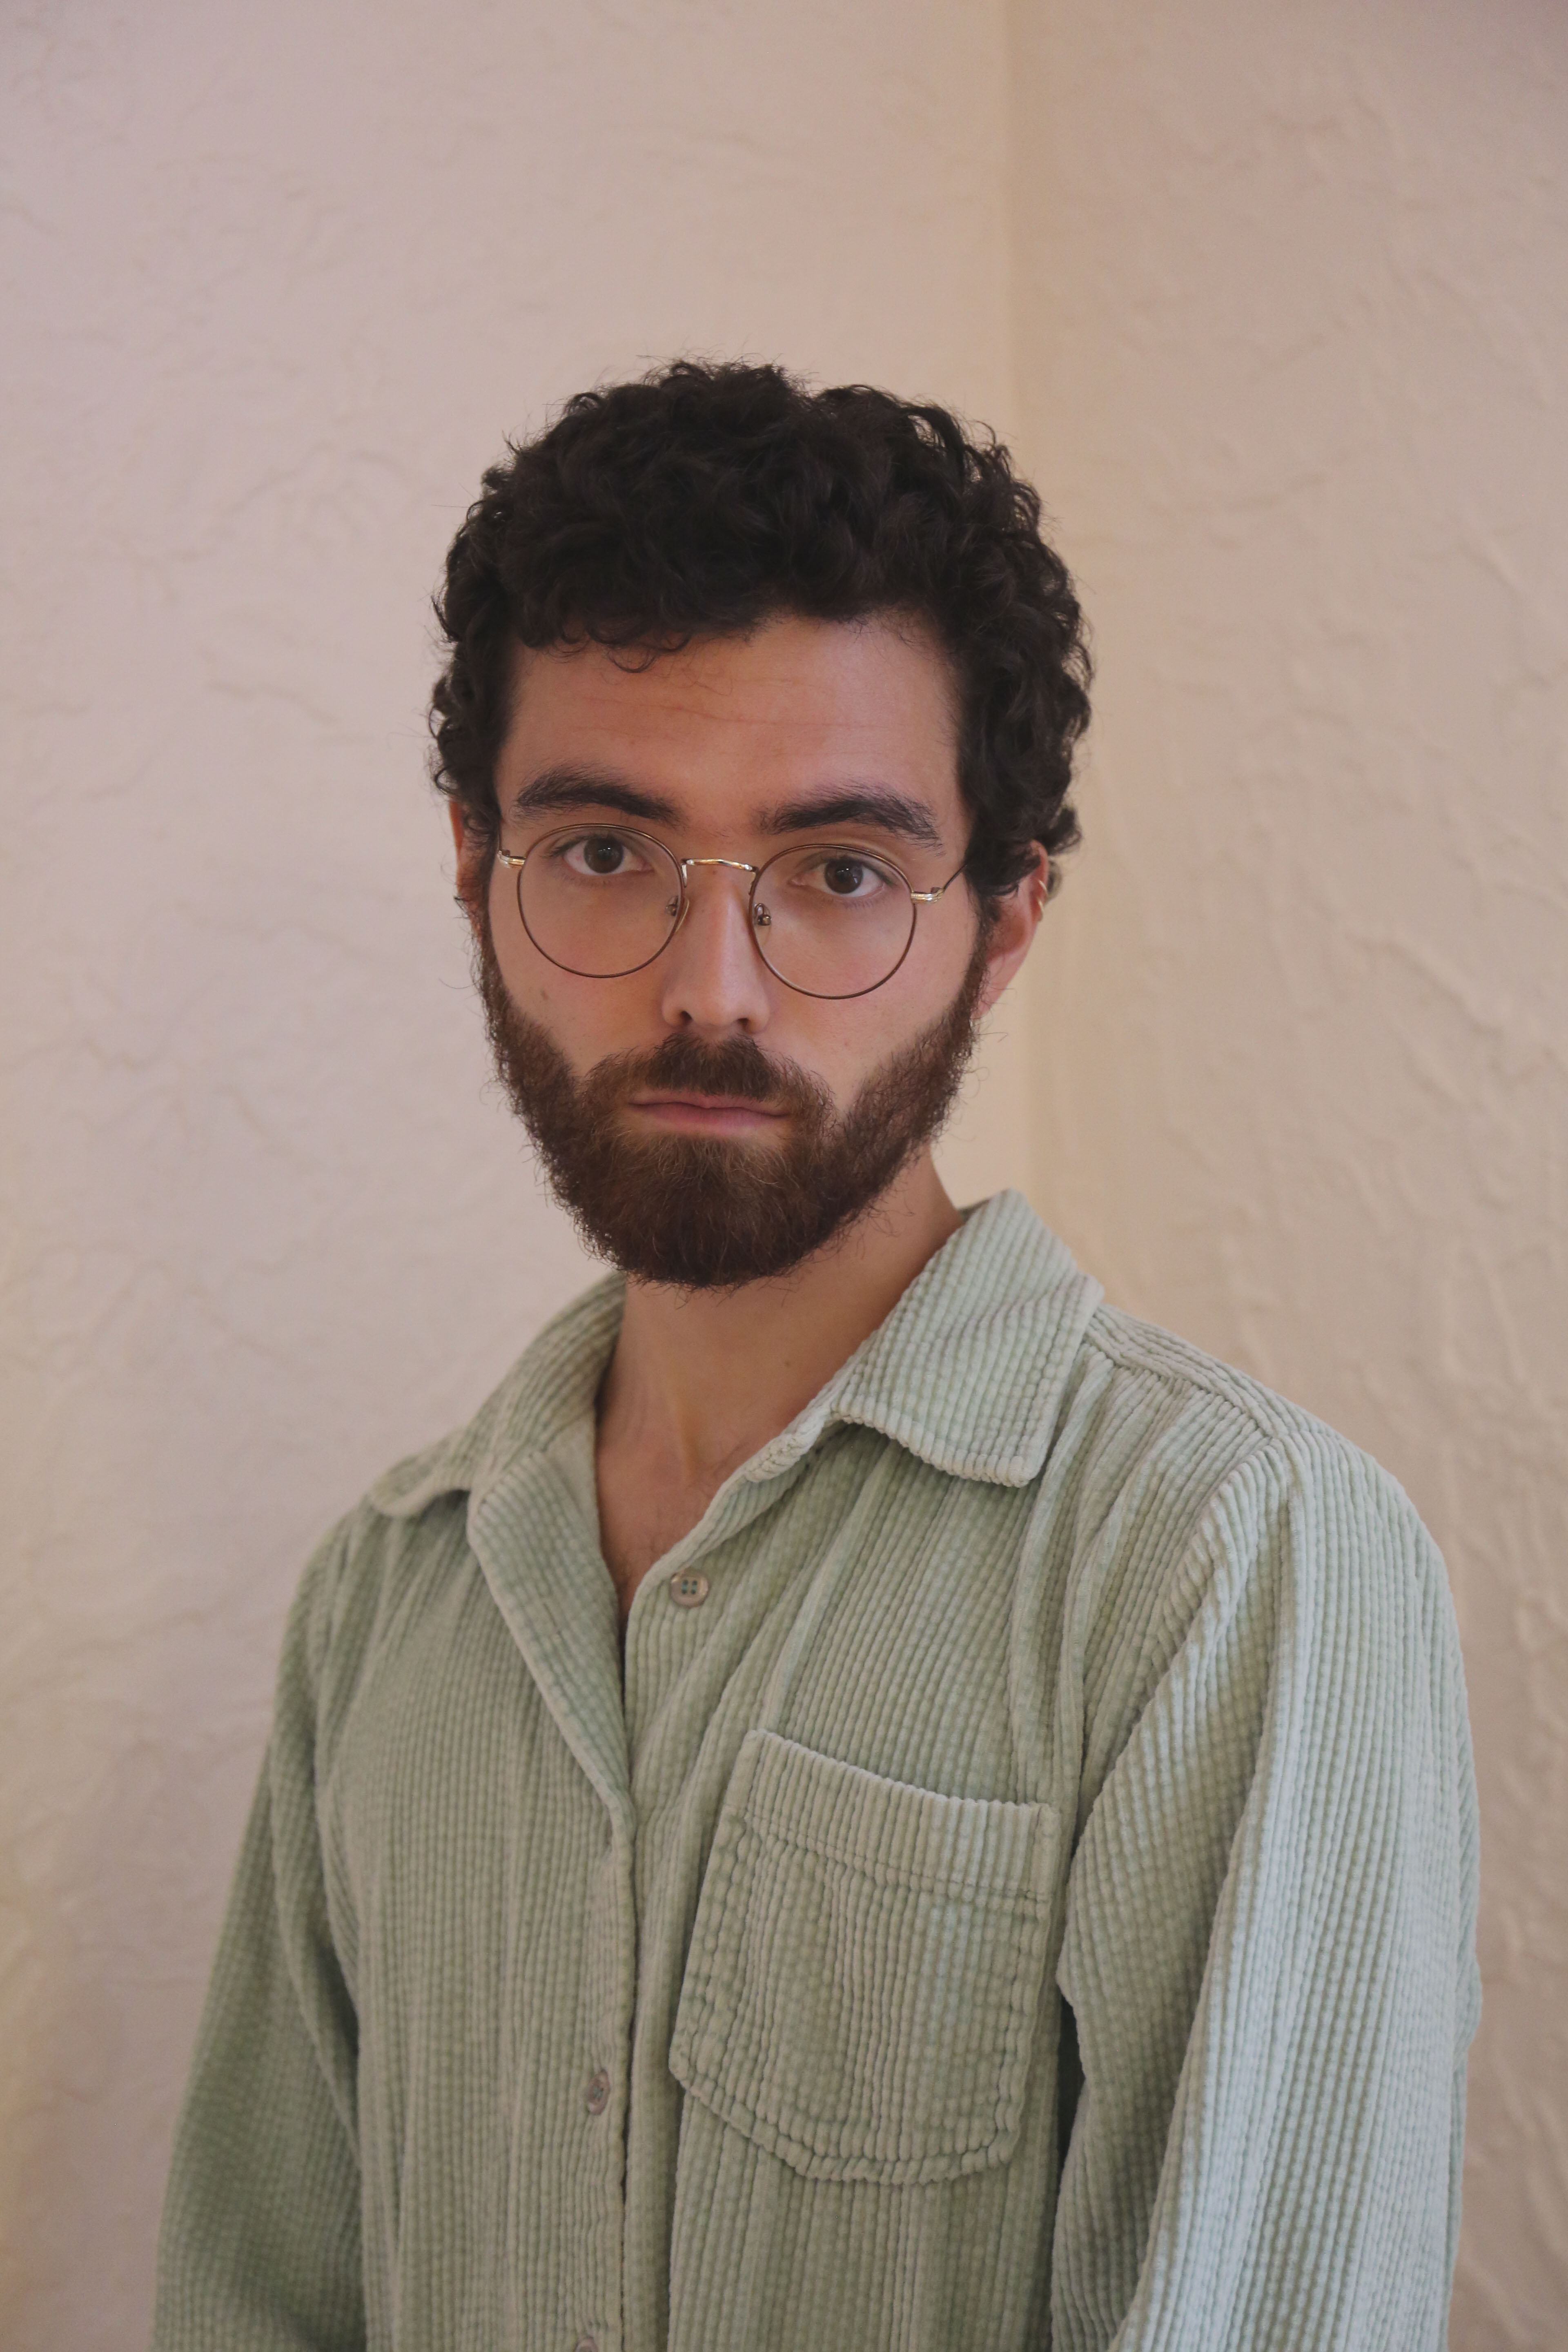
x: 865, y: 1968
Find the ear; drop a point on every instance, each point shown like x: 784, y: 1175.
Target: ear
x: 471, y: 877
x: 1015, y: 923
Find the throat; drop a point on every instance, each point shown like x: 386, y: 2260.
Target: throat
x: 701, y: 1380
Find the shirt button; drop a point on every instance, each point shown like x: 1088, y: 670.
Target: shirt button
x: 586, y: 2344
x: 599, y: 2093
x: 688, y: 1589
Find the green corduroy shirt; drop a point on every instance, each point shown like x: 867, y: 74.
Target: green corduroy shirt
x: 1022, y: 1893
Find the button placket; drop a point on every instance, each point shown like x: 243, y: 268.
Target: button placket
x: 738, y: 1502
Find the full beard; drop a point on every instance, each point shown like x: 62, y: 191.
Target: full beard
x: 699, y: 1212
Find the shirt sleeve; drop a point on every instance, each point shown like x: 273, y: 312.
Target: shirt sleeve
x: 261, y: 2243
x: 1269, y: 1942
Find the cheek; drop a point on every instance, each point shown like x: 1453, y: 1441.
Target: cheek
x: 845, y: 1044
x: 587, y: 1019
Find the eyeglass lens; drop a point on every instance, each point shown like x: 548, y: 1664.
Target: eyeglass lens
x: 828, y: 920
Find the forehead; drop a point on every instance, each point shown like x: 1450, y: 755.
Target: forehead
x: 795, y: 703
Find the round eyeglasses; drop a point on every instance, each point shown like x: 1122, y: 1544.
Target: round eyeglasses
x: 826, y: 918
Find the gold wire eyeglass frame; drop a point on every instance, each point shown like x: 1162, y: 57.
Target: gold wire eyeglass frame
x: 758, y: 916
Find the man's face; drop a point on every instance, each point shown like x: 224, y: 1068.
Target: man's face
x: 706, y: 1123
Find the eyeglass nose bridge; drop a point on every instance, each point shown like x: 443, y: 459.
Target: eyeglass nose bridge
x: 737, y: 865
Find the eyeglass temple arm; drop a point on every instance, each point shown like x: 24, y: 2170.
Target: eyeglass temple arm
x: 929, y: 897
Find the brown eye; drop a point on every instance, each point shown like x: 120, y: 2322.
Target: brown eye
x: 602, y: 853
x: 843, y: 877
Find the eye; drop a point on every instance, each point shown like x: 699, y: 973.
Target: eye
x: 601, y: 856
x: 847, y: 876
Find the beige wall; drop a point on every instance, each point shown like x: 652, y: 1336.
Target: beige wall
x: 290, y: 272
x: 1275, y: 300
x: 1294, y: 344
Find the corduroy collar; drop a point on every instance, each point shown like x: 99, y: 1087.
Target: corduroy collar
x: 967, y: 1371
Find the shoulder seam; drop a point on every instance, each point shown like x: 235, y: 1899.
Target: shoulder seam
x: 1196, y: 1379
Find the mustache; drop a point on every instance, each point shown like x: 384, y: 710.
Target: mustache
x: 736, y: 1067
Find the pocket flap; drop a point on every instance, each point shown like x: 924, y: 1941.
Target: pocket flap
x: 866, y: 1968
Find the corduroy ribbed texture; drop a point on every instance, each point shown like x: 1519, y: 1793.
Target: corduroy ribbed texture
x: 1041, y: 1658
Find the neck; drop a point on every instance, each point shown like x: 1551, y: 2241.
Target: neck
x: 699, y: 1379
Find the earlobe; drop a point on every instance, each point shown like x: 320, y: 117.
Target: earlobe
x: 1016, y: 920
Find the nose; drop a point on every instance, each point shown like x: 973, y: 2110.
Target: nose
x: 713, y: 979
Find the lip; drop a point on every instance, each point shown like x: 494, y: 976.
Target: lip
x: 713, y: 1114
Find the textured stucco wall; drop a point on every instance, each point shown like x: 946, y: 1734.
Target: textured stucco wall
x: 287, y: 275
x: 1287, y: 294
x: 1293, y: 356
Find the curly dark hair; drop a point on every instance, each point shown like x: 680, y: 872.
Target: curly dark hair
x: 707, y: 497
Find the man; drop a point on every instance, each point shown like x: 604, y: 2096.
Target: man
x: 867, y: 1798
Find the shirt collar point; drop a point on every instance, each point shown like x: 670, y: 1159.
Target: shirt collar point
x: 552, y: 1383
x: 967, y: 1372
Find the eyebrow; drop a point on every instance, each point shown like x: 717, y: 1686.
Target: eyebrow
x: 567, y: 788
x: 874, y: 804
x: 575, y: 788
